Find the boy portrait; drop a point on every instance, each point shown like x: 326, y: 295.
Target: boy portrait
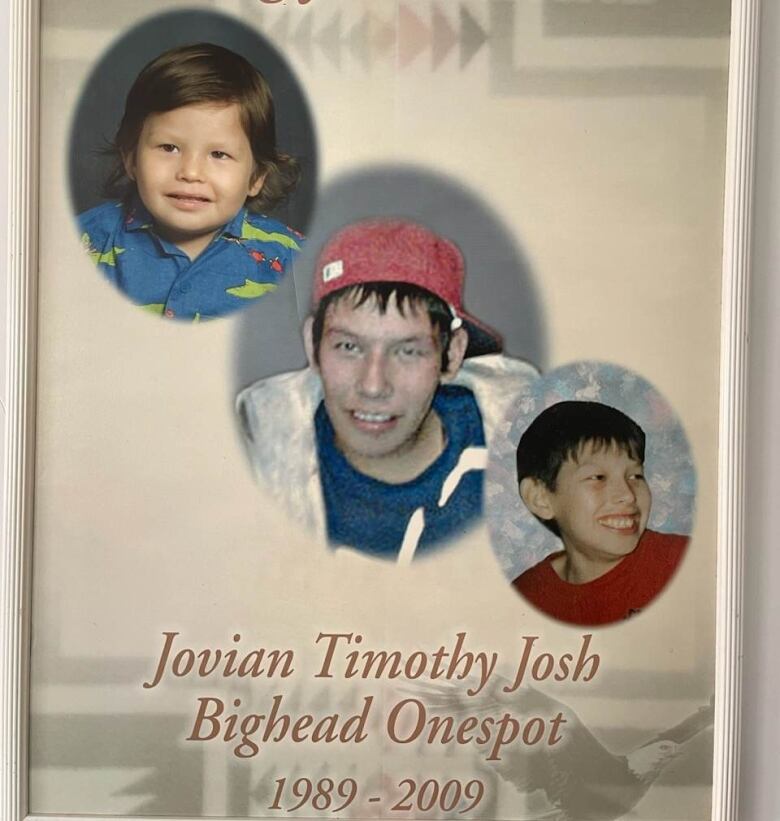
x: 580, y: 473
x: 195, y: 173
x: 380, y: 444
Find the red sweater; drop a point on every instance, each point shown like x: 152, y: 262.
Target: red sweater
x: 618, y: 594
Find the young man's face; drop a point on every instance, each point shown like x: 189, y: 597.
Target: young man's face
x: 379, y: 375
x: 601, y: 503
x: 194, y: 170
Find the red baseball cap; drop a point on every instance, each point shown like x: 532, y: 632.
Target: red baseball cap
x: 397, y: 250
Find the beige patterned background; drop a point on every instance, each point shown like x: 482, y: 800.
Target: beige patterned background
x: 596, y: 131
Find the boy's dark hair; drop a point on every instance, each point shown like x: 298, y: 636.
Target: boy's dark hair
x: 559, y: 432
x: 407, y: 297
x: 206, y: 73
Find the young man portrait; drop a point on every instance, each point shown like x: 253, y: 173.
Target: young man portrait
x: 380, y: 444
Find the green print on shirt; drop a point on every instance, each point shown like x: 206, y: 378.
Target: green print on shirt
x: 105, y: 258
x: 250, y: 232
x: 250, y: 289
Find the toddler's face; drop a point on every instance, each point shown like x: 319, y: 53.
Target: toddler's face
x: 601, y: 502
x: 194, y: 169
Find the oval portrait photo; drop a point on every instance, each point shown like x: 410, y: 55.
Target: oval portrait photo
x: 192, y: 166
x: 370, y: 423
x: 590, y: 494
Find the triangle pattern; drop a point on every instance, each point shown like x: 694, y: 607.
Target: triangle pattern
x: 413, y: 35
x: 359, y: 44
x: 384, y: 38
x: 472, y: 37
x: 444, y: 36
x: 302, y: 39
x: 329, y: 40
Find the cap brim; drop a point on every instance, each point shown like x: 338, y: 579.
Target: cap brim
x: 482, y: 339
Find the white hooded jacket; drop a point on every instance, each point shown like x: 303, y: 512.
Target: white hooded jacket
x: 277, y: 420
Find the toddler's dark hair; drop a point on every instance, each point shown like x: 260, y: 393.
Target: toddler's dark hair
x: 407, y: 297
x: 559, y: 432
x: 206, y: 73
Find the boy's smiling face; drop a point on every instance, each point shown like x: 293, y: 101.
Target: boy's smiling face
x: 194, y: 169
x: 601, y: 504
x: 379, y: 373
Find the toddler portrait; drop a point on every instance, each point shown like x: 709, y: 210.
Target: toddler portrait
x: 184, y: 233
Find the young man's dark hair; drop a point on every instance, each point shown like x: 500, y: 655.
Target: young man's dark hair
x: 405, y: 296
x: 390, y: 259
x: 560, y: 431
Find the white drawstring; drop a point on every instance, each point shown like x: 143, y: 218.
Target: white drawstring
x: 473, y: 458
x: 411, y: 537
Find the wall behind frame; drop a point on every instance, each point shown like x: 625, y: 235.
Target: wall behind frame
x: 760, y: 789
x: 761, y: 721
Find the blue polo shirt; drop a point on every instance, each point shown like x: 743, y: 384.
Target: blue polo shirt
x: 372, y: 516
x: 244, y: 261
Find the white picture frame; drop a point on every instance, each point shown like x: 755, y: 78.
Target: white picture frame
x: 21, y: 266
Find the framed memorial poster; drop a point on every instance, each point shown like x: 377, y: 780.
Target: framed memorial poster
x: 374, y: 442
